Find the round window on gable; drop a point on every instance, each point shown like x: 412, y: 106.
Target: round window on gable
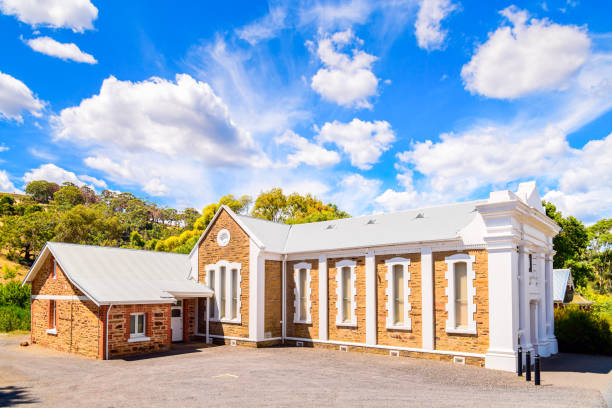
x: 223, y: 237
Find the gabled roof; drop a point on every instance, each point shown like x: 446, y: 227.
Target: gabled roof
x: 560, y: 279
x: 122, y: 276
x: 438, y: 223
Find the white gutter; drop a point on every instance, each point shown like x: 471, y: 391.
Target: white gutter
x: 107, y: 313
x: 283, y: 298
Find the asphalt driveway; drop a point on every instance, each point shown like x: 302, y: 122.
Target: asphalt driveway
x: 235, y: 376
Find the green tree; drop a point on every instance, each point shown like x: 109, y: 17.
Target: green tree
x: 189, y: 217
x: 88, y: 225
x: 600, y: 253
x: 7, y: 205
x: 68, y: 196
x: 24, y: 236
x: 41, y: 190
x: 136, y: 240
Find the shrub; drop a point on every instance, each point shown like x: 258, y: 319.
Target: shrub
x: 13, y: 294
x: 14, y: 318
x: 579, y: 331
x: 8, y: 272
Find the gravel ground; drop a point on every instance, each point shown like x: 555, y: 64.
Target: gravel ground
x: 235, y: 376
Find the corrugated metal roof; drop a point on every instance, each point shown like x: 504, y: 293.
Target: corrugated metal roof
x: 424, y: 224
x: 119, y: 275
x: 560, y: 278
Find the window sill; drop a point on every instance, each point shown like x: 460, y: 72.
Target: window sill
x: 347, y: 324
x: 302, y: 321
x: 136, y: 339
x: 234, y: 321
x: 405, y: 328
x: 52, y: 331
x: 460, y: 330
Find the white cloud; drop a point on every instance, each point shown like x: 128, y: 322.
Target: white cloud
x: 65, y: 51
x: 584, y: 189
x: 6, y: 185
x: 346, y: 80
x: 16, y: 97
x: 306, y: 152
x: 355, y: 193
x: 178, y: 119
x: 428, y: 30
x: 265, y: 28
x: 529, y: 56
x: 156, y: 188
x: 51, y: 172
x: 77, y: 15
x: 363, y: 141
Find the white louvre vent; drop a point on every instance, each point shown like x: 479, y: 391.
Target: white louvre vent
x: 372, y: 221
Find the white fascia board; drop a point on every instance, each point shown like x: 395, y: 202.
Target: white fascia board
x: 34, y: 269
x: 240, y: 223
x: 137, y: 302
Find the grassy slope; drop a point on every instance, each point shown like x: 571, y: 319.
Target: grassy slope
x: 21, y: 270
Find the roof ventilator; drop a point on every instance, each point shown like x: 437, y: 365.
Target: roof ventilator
x: 372, y: 221
x: 420, y: 215
x: 330, y: 226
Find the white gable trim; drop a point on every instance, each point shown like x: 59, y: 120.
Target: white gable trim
x: 236, y: 220
x: 44, y: 253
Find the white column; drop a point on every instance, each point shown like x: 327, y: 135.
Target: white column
x: 427, y: 299
x: 284, y: 298
x: 542, y: 318
x: 525, y: 305
x: 503, y: 270
x: 323, y: 298
x: 370, y: 276
x: 550, y: 310
x: 256, y: 293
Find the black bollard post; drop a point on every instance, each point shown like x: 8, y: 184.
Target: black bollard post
x: 528, y: 366
x: 537, y: 370
x: 519, y: 362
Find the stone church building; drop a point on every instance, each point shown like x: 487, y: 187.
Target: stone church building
x: 467, y: 282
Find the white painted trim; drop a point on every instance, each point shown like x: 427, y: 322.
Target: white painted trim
x: 427, y: 299
x: 107, y: 315
x: 223, y: 241
x: 297, y: 294
x: 449, y: 275
x: 380, y: 346
x: 323, y: 299
x: 405, y: 263
x: 54, y: 275
x: 284, y: 298
x: 58, y: 297
x: 144, y: 325
x: 339, y: 265
x: 138, y: 339
x: 216, y: 267
x: 52, y: 331
x: 371, y: 285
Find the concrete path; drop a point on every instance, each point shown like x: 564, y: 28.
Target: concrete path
x: 281, y: 377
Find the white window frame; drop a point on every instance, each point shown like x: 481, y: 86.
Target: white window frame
x: 216, y: 303
x: 405, y: 263
x: 339, y: 304
x: 449, y: 275
x: 134, y: 337
x: 297, y: 294
x: 54, y: 273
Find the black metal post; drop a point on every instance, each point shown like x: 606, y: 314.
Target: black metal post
x: 528, y: 366
x: 519, y: 362
x: 537, y: 370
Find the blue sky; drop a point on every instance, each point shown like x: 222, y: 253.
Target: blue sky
x: 377, y: 106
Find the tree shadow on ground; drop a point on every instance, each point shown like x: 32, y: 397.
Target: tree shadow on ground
x: 578, y: 363
x: 13, y: 395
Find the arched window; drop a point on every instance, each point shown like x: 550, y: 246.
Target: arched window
x: 398, y: 292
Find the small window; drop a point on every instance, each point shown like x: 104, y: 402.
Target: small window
x: 211, y: 285
x: 398, y: 295
x: 222, y: 294
x: 54, y: 270
x: 137, y: 325
x: 346, y: 294
x: 234, y: 293
x: 461, y: 297
x: 52, y: 314
x: 302, y: 290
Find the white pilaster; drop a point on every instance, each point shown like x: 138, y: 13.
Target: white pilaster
x: 370, y: 276
x: 257, y: 290
x: 503, y: 271
x: 323, y: 298
x: 542, y: 318
x: 427, y: 299
x: 550, y: 310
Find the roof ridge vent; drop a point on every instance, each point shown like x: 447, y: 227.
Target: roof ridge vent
x: 371, y: 221
x: 330, y: 226
x: 420, y: 215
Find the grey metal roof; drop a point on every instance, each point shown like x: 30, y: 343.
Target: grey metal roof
x: 119, y: 275
x: 424, y: 224
x: 560, y: 279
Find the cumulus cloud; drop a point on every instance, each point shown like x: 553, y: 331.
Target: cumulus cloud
x: 525, y: 57
x: 77, y: 15
x: 53, y: 173
x: 345, y: 79
x: 16, y: 97
x: 183, y: 119
x: 65, y: 51
x: 6, y: 185
x: 306, y: 152
x: 363, y: 141
x: 355, y: 193
x: 428, y: 30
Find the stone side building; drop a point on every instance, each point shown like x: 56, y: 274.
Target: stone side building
x: 467, y: 282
